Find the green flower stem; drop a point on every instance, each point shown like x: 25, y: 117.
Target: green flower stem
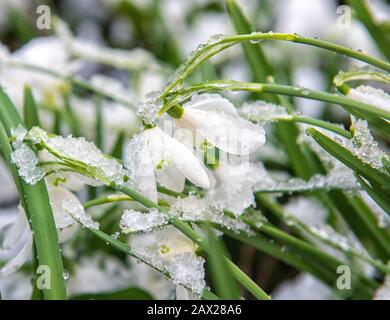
x: 190, y: 233
x: 211, y: 49
x: 36, y: 203
x: 104, y: 200
x: 320, y: 123
x: 230, y: 85
x: 381, y: 38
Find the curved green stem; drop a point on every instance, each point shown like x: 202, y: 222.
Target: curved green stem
x: 211, y: 49
x: 226, y: 85
x: 104, y: 200
x: 320, y: 123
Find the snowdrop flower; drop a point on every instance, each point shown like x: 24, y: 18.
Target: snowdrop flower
x: 153, y: 154
x: 212, y: 119
x: 170, y: 250
x: 235, y: 186
x: 19, y: 235
x: 370, y: 95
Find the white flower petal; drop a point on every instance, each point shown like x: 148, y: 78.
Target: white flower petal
x: 229, y: 133
x: 57, y: 195
x: 16, y: 262
x: 211, y: 102
x: 139, y: 163
x: 171, y: 178
x: 167, y: 149
x: 11, y: 233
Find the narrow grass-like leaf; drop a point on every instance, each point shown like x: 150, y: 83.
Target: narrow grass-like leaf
x: 380, y: 197
x: 31, y: 117
x: 225, y: 284
x: 35, y: 200
x: 346, y: 157
x: 381, y: 38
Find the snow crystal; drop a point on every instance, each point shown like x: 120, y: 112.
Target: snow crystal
x: 370, y: 95
x: 140, y: 168
x: 77, y: 212
x: 78, y: 149
x: 339, y: 177
x: 134, y: 221
x: 308, y: 210
x: 147, y: 109
x: 27, y: 163
x: 195, y: 209
x: 172, y: 252
x: 261, y: 111
x: 364, y: 146
x: 234, y: 191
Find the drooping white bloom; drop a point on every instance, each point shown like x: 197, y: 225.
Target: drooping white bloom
x: 211, y: 118
x: 18, y: 233
x: 153, y: 154
x: 370, y: 95
x: 234, y: 190
x: 171, y: 251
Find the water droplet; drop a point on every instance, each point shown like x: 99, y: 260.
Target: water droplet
x: 65, y: 274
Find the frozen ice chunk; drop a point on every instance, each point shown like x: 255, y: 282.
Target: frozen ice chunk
x: 364, y: 146
x: 134, y: 221
x: 196, y: 209
x: 105, y: 169
x: 370, y: 95
x: 140, y: 168
x: 77, y: 212
x: 27, y: 163
x: 148, y: 108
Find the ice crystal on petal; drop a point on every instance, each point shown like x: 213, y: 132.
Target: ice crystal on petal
x: 134, y: 221
x: 261, y: 111
x: 27, y: 163
x: 172, y: 252
x: 77, y: 212
x: 147, y: 109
